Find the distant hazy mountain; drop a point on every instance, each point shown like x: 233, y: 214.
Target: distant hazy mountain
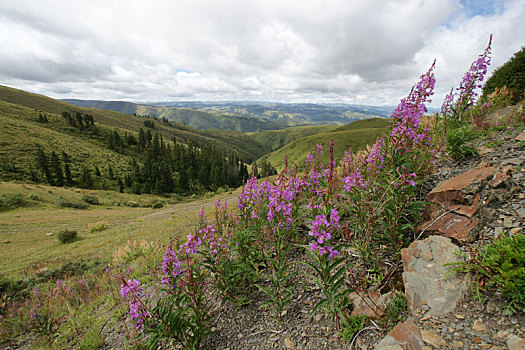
x: 244, y: 116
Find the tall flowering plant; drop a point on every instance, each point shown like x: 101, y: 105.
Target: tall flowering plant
x: 381, y: 184
x: 457, y: 105
x: 329, y: 270
x: 182, y: 315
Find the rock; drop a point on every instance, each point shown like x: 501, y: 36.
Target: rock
x: 501, y: 334
x: 6, y: 241
x: 515, y: 230
x: 521, y: 136
x: 289, y: 343
x: 284, y: 313
x: 405, y: 335
x: 457, y: 209
x: 458, y: 344
x: 372, y: 304
x: 479, y: 326
x: 507, y: 222
x: 491, y: 307
x: 240, y: 336
x: 49, y: 234
x: 497, y: 231
x: 484, y: 150
x: 515, y: 343
x: 433, y: 339
x: 427, y: 280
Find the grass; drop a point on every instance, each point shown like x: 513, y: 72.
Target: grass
x: 21, y: 105
x: 276, y: 139
x: 31, y: 230
x: 343, y: 140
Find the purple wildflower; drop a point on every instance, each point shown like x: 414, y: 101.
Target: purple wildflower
x: 131, y: 289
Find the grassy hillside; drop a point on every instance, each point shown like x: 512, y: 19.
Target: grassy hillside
x: 365, y: 124
x: 275, y: 139
x: 22, y: 135
x: 31, y: 227
x: 247, y: 148
x: 355, y: 138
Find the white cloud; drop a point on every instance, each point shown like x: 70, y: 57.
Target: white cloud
x: 349, y: 51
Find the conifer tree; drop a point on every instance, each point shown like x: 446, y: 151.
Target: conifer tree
x: 56, y: 168
x: 67, y: 171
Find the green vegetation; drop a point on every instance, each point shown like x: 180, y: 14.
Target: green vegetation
x: 499, y: 266
x: 511, y: 75
x: 99, y: 149
x: 276, y: 139
x: 356, y: 139
x: 67, y: 236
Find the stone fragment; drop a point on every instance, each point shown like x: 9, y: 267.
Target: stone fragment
x: 455, y: 204
x: 372, y: 304
x: 515, y: 343
x: 507, y: 222
x: 458, y: 344
x: 289, y: 343
x: 479, y: 326
x: 433, y: 339
x: 521, y: 136
x: 404, y: 336
x: 491, y: 307
x: 427, y: 281
x: 515, y: 230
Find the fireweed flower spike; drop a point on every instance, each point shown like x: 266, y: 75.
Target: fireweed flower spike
x: 455, y: 105
x: 131, y: 289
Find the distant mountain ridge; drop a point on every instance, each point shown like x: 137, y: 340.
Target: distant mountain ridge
x: 244, y: 116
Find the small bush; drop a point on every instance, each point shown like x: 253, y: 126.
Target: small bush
x: 33, y: 197
x: 351, y: 326
x: 9, y: 201
x: 65, y: 204
x: 67, y: 236
x: 90, y: 199
x: 157, y: 205
x: 98, y: 226
x: 500, y: 266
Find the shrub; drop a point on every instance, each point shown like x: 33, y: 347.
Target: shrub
x: 33, y: 197
x: 98, y: 226
x: 157, y: 205
x: 500, y: 266
x: 67, y: 236
x: 9, y: 201
x: 65, y: 204
x: 90, y: 199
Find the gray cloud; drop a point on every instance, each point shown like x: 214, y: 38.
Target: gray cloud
x: 348, y: 51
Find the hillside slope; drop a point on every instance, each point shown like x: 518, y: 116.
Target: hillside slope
x: 246, y: 147
x: 343, y: 140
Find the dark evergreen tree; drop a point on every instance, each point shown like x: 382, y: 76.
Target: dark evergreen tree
x: 86, y: 181
x: 111, y: 176
x: 43, y: 164
x: 56, y: 168
x: 67, y: 171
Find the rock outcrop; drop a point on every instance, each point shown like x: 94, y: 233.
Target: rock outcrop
x: 430, y: 285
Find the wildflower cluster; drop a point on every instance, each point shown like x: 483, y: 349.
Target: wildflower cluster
x: 132, y: 290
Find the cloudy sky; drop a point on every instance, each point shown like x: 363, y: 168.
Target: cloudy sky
x: 353, y: 51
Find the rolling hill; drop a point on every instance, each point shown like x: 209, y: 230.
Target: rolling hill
x: 194, y: 118
x: 247, y: 148
x: 357, y: 135
x: 111, y: 142
x: 244, y: 116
